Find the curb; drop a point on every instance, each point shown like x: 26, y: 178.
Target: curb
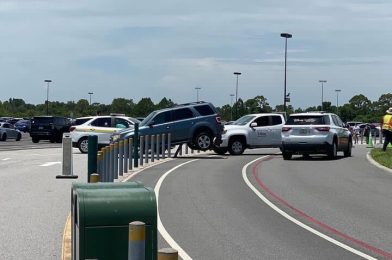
x: 372, y: 161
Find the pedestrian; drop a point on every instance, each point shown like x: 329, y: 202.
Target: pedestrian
x: 386, y: 128
x: 366, y: 132
x: 356, y: 130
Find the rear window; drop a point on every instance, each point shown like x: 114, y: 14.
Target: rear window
x: 42, y: 120
x: 79, y: 121
x: 205, y: 110
x: 308, y: 120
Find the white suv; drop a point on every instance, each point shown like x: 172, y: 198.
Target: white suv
x: 252, y: 131
x: 315, y: 133
x: 101, y: 126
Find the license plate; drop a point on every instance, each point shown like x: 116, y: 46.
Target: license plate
x: 40, y: 127
x: 304, y: 131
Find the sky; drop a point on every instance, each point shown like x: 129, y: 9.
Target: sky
x: 135, y: 49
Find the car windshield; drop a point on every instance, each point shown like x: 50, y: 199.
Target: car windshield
x: 306, y: 120
x: 243, y: 120
x: 148, y: 118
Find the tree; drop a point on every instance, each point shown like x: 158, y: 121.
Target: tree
x: 144, y: 107
x: 122, y: 106
x: 165, y: 103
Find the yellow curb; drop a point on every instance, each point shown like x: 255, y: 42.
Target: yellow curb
x: 66, y: 250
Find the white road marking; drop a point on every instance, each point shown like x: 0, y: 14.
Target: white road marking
x: 284, y: 214
x: 6, y: 159
x: 50, y: 164
x: 161, y: 228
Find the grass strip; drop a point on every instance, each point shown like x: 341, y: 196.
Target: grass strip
x: 383, y: 158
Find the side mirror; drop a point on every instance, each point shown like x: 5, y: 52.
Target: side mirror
x: 253, y: 124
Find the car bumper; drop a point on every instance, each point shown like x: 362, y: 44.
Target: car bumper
x: 306, y: 147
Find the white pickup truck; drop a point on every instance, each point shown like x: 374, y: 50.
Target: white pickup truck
x: 252, y: 131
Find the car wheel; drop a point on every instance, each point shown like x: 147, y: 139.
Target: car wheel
x: 35, y: 140
x: 287, y: 155
x: 220, y: 150
x: 203, y: 140
x: 83, y: 145
x: 19, y: 137
x: 332, y: 154
x: 4, y: 137
x: 347, y: 152
x: 236, y: 146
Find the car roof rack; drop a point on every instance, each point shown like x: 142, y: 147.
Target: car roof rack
x: 191, y: 103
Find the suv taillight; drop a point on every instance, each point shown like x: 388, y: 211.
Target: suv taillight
x: 286, y: 129
x: 218, y: 119
x: 72, y: 128
x: 323, y: 129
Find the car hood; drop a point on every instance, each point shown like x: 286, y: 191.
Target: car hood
x: 234, y: 127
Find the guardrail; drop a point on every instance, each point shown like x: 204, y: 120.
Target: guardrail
x: 115, y: 160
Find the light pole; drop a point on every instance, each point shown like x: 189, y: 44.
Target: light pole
x: 286, y: 36
x: 236, y: 94
x: 90, y: 93
x: 231, y: 106
x: 322, y: 93
x: 337, y: 100
x: 47, y: 95
x: 197, y: 93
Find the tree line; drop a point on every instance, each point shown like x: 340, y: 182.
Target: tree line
x: 359, y: 108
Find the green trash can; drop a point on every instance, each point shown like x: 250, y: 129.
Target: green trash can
x: 101, y: 217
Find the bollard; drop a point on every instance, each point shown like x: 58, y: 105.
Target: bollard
x: 152, y: 147
x: 107, y: 164
x: 67, y: 159
x: 130, y: 153
x: 94, y: 178
x: 99, y: 162
x: 146, y: 148
x: 186, y: 149
x: 167, y: 254
x: 92, y: 148
x: 141, y: 150
x: 121, y: 158
x: 169, y: 144
x: 158, y: 146
x: 111, y: 159
x: 163, y: 146
x: 115, y: 160
x: 126, y: 155
x: 137, y: 240
x: 136, y: 145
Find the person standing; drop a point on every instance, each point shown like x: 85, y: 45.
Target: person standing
x: 386, y: 128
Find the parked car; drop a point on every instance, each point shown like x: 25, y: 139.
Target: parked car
x: 315, y: 133
x: 101, y: 126
x: 198, y: 124
x: 252, y: 131
x: 81, y: 120
x: 23, y: 125
x: 8, y: 131
x: 49, y: 128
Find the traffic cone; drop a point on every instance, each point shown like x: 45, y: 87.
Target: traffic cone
x: 370, y: 142
x: 389, y: 145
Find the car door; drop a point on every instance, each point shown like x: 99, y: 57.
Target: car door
x: 260, y: 135
x: 341, y: 132
x: 9, y: 130
x: 101, y: 127
x: 182, y: 123
x: 159, y: 124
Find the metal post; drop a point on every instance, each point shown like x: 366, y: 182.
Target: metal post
x: 94, y: 178
x: 99, y: 162
x: 158, y: 137
x: 136, y: 145
x: 130, y: 154
x: 105, y: 177
x: 126, y: 155
x: 92, y: 148
x: 141, y: 150
x: 67, y: 172
x: 111, y: 172
x: 169, y: 144
x: 163, y: 146
x: 137, y: 241
x: 115, y: 160
x: 152, y: 147
x: 146, y: 148
x: 167, y: 254
x: 186, y: 149
x: 121, y: 158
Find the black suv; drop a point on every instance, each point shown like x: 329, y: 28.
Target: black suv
x: 49, y: 128
x: 198, y: 124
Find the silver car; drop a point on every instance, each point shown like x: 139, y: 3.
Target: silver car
x: 8, y: 131
x: 315, y: 133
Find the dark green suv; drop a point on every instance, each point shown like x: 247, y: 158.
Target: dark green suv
x: 49, y: 128
x: 198, y: 124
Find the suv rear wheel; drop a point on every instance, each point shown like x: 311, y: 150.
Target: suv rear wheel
x: 35, y: 140
x: 220, y: 150
x: 83, y: 145
x: 19, y: 137
x: 236, y: 146
x: 203, y: 140
x: 287, y: 155
x: 4, y: 137
x: 347, y: 152
x: 332, y: 153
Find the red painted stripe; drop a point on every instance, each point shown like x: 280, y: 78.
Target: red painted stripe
x: 313, y: 220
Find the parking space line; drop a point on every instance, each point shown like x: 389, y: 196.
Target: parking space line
x: 50, y: 164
